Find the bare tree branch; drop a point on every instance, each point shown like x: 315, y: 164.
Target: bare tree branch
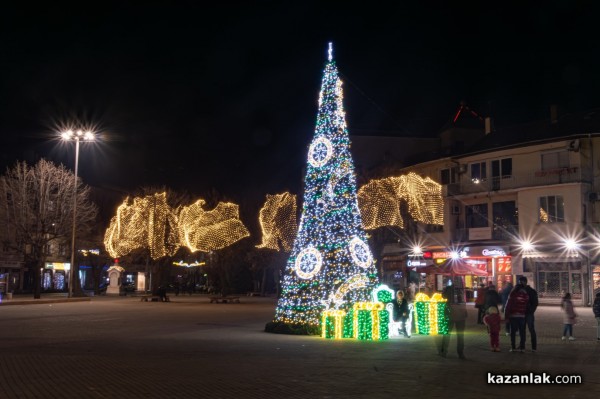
x: 36, y: 205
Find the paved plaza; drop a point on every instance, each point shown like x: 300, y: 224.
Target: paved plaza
x: 120, y: 347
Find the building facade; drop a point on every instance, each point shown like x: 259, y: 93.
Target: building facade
x: 527, y: 209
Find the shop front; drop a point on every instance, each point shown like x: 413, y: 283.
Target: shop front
x: 55, y: 276
x: 474, y: 265
x: 11, y: 277
x: 556, y: 274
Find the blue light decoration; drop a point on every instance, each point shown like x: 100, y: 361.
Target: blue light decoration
x: 331, y: 267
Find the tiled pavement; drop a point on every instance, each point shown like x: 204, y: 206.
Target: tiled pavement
x: 120, y: 347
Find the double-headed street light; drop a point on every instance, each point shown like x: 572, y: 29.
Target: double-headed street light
x: 75, y: 136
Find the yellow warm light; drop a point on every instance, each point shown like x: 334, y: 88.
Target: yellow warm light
x: 150, y: 223
x: 338, y: 316
x: 142, y: 223
x: 379, y: 201
x: 433, y: 310
x: 544, y: 216
x: 205, y: 231
x: 374, y: 308
x: 278, y: 222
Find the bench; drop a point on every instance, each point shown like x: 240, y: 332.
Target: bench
x: 253, y: 293
x: 224, y: 299
x: 153, y: 298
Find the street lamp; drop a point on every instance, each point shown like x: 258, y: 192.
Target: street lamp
x: 76, y: 136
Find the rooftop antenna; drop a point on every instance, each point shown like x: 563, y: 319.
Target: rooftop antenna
x: 330, y: 51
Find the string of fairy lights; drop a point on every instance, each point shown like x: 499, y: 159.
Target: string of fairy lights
x: 379, y: 201
x: 201, y: 230
x: 277, y: 220
x: 150, y: 223
x: 331, y: 266
x: 330, y: 281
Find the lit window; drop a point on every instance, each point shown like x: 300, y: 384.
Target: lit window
x: 478, y: 171
x: 551, y: 209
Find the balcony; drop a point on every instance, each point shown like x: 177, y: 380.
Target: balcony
x: 532, y: 179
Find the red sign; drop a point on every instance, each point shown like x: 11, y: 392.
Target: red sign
x: 504, y: 265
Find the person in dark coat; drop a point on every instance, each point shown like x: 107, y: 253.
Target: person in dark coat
x: 508, y: 287
x: 596, y: 309
x: 530, y: 313
x: 401, y: 311
x: 479, y: 302
x: 516, y: 309
x: 457, y: 316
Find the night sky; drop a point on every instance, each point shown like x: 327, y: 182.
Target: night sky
x: 196, y: 96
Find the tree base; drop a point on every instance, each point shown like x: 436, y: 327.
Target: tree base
x: 293, y: 329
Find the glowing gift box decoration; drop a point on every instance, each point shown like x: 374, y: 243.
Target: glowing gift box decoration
x: 369, y: 321
x: 383, y: 293
x: 332, y: 323
x: 430, y: 314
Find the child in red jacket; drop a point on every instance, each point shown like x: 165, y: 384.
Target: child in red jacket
x: 493, y: 320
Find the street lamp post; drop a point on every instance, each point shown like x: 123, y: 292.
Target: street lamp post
x: 77, y: 136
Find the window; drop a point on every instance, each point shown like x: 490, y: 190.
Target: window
x: 502, y: 168
x: 555, y: 160
x: 448, y: 176
x: 478, y: 172
x: 552, y: 209
x: 62, y: 249
x: 476, y: 215
x: 505, y: 220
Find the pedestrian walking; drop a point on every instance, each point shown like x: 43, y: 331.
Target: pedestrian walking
x: 457, y: 316
x: 596, y: 309
x: 530, y: 312
x: 479, y: 302
x: 569, y: 317
x: 516, y: 308
x: 504, y: 295
x: 493, y: 322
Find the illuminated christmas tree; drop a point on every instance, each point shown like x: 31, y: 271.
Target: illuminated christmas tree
x: 331, y: 265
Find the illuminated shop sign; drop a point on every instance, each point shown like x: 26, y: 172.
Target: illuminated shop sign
x: 493, y: 252
x: 504, y: 265
x: 490, y: 252
x: 418, y: 263
x: 58, y: 266
x: 448, y: 255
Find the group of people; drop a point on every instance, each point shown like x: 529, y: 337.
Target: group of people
x: 519, y: 304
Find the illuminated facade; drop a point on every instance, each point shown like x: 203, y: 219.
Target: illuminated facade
x: 525, y: 209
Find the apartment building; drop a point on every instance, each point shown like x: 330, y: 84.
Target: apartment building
x: 522, y: 201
